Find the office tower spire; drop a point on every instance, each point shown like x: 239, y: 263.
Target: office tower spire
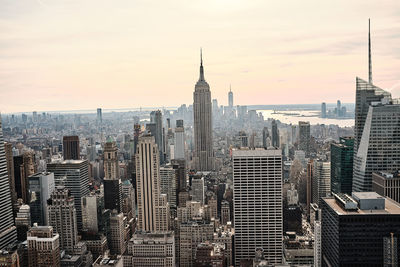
x: 203, y: 145
x: 201, y: 66
x: 369, y: 53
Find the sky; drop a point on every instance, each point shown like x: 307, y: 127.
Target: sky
x: 84, y: 54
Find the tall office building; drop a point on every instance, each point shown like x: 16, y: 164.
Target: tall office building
x: 41, y: 185
x: 99, y: 116
x: 71, y: 148
x: 117, y: 234
x: 43, y: 247
x: 179, y: 146
x: 203, y: 140
x: 379, y: 149
x: 74, y: 175
x: 197, y: 191
x: 354, y: 229
x: 24, y: 166
x: 62, y: 217
x: 168, y: 185
x: 153, y: 208
x: 321, y: 185
x: 265, y: 136
x: 304, y: 137
x: 257, y: 198
x: 156, y: 118
x: 112, y: 182
x: 366, y: 93
x: 230, y: 98
x: 8, y: 232
x: 387, y: 184
x: 323, y: 110
x: 342, y: 165
x: 10, y: 171
x: 275, y: 134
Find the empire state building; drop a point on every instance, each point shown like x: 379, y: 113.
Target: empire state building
x: 203, y: 144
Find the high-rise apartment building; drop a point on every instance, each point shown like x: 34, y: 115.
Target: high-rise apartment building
x: 304, y: 137
x: 71, y: 148
x: 257, y: 198
x: 41, y: 185
x: 153, y: 208
x: 8, y: 232
x: 74, y: 175
x: 203, y: 140
x: 43, y: 247
x: 342, y: 165
x: 179, y: 145
x: 354, y: 229
x: 62, y: 217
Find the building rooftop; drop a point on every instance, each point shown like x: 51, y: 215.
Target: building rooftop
x: 256, y: 152
x: 367, y: 195
x: 389, y: 175
x: 391, y: 207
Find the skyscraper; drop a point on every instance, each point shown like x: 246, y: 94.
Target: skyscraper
x: 342, y: 165
x: 74, y: 175
x: 321, y: 185
x: 71, y: 147
x: 275, y: 134
x: 112, y: 183
x: 304, y: 137
x: 41, y: 186
x: 10, y: 170
x: 257, y: 198
x: 153, y: 208
x: 203, y: 142
x: 23, y: 168
x: 230, y: 98
x: 265, y: 136
x: 99, y: 116
x: 62, y: 216
x: 353, y: 229
x: 323, y: 110
x: 8, y: 232
x: 366, y: 93
x: 117, y: 233
x: 179, y: 147
x: 156, y: 118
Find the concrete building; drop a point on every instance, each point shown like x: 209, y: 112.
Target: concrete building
x: 117, y: 234
x: 225, y: 212
x: 157, y: 132
x: 41, y: 186
x: 43, y: 247
x: 275, y: 134
x: 151, y: 250
x: 168, y: 185
x: 197, y: 191
x: 321, y: 184
x: 153, y: 208
x: 257, y: 197
x: 62, y: 217
x: 203, y: 141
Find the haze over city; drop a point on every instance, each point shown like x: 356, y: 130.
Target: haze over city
x: 71, y: 55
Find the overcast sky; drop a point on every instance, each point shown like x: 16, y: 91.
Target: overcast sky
x: 84, y: 54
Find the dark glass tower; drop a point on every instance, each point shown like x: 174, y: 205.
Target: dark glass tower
x: 342, y: 165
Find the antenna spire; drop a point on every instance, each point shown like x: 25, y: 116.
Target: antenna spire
x: 369, y: 53
x: 201, y: 66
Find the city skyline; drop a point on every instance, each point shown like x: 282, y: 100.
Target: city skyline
x: 111, y: 56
